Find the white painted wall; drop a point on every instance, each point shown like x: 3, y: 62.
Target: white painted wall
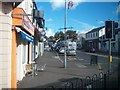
x: 41, y: 48
x: 5, y: 45
x: 22, y: 56
x: 27, y: 5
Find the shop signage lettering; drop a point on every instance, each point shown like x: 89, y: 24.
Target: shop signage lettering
x: 26, y: 23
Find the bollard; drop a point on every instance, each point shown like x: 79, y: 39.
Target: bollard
x: 34, y: 67
x: 94, y: 59
x: 105, y: 77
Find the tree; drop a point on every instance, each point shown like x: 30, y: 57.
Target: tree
x: 59, y: 35
x: 71, y: 35
x: 51, y: 39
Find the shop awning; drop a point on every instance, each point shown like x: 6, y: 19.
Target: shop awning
x: 26, y: 36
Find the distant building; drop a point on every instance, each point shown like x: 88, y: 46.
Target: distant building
x: 92, y: 38
x: 80, y: 40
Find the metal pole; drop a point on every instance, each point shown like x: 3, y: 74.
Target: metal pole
x: 65, y: 35
x: 110, y: 55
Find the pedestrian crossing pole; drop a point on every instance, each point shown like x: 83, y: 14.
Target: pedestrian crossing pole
x: 109, y: 33
x: 110, y: 55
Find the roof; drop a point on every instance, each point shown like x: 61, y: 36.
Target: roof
x: 96, y: 29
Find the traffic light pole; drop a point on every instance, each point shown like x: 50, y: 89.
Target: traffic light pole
x: 110, y: 55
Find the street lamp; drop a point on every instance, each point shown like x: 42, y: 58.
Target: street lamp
x: 65, y: 13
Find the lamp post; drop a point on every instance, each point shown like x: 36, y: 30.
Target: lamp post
x: 65, y: 13
x: 65, y: 17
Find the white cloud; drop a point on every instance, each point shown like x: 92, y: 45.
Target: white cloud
x: 56, y: 4
x: 100, y: 22
x: 49, y: 20
x: 49, y: 32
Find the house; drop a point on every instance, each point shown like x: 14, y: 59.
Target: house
x: 92, y: 38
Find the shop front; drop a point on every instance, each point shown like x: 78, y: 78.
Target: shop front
x: 37, y: 43
x: 23, y: 33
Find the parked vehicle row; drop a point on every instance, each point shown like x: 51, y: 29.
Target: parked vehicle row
x: 60, y: 48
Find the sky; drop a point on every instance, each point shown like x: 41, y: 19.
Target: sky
x: 83, y: 16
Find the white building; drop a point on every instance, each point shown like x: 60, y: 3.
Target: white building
x: 104, y: 44
x: 92, y: 39
x: 80, y: 40
x: 16, y: 37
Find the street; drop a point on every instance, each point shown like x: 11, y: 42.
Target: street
x: 83, y: 60
x: 77, y: 67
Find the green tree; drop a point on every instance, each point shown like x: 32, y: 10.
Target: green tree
x: 59, y: 35
x: 71, y: 35
x: 51, y: 39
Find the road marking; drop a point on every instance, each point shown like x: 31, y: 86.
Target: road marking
x: 80, y: 65
x: 72, y: 58
x: 81, y: 59
x: 57, y: 55
x: 99, y: 66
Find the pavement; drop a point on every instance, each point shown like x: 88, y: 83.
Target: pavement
x: 55, y: 72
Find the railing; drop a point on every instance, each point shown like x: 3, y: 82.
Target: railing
x: 102, y: 81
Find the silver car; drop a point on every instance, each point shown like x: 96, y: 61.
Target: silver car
x: 71, y: 52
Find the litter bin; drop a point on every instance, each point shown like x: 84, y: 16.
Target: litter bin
x: 94, y: 59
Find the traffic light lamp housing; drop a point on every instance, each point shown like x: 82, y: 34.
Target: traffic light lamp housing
x: 109, y: 28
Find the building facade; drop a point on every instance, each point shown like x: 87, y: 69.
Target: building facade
x: 19, y: 33
x: 8, y: 45
x: 80, y: 41
x: 38, y: 21
x: 92, y: 39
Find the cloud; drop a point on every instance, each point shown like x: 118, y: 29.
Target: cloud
x: 57, y: 4
x: 49, y: 32
x: 100, y: 22
x: 49, y: 20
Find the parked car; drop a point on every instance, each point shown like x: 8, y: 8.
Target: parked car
x: 71, y: 52
x: 47, y: 48
x: 57, y: 48
x: 62, y: 50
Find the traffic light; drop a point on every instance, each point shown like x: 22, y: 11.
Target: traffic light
x: 109, y: 26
